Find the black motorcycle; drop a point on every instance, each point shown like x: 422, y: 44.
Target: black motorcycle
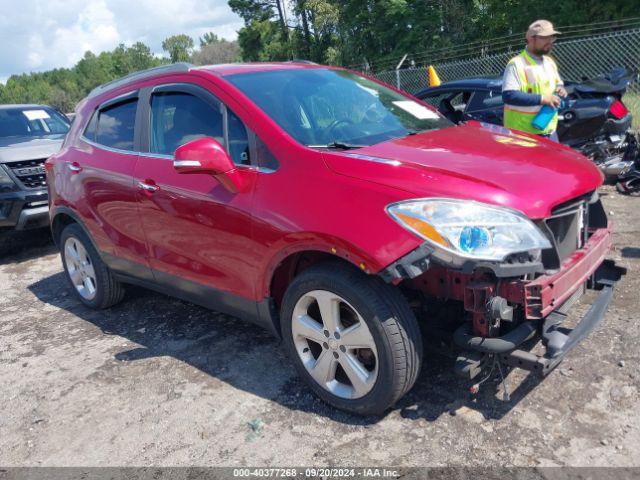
x: 604, y: 136
x: 629, y: 179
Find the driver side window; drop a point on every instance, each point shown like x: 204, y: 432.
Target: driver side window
x: 178, y: 118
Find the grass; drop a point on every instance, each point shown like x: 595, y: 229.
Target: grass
x: 632, y: 101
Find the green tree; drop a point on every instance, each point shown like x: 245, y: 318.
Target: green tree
x: 208, y: 38
x: 262, y: 41
x: 141, y: 57
x: 216, y: 50
x: 256, y: 14
x: 179, y: 47
x: 64, y: 87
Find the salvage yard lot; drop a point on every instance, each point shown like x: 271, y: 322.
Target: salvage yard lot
x: 157, y: 381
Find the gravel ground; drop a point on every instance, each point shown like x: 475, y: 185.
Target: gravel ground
x: 157, y: 381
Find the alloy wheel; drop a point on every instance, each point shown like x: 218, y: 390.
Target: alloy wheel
x: 334, y: 344
x: 80, y: 268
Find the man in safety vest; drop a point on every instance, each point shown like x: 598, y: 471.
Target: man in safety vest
x: 531, y: 80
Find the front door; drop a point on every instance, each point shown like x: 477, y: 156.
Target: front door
x: 198, y: 232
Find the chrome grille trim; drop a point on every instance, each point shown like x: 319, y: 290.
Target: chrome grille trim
x: 30, y: 173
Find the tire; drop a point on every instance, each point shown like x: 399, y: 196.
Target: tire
x: 629, y: 187
x: 383, y: 371
x: 89, y: 278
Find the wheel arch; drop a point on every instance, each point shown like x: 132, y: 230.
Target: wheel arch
x: 63, y: 217
x: 292, y: 261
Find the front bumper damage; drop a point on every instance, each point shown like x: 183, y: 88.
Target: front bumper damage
x: 507, y: 312
x: 558, y: 341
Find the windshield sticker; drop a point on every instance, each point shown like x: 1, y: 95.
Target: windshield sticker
x: 35, y: 114
x: 368, y: 90
x: 419, y: 111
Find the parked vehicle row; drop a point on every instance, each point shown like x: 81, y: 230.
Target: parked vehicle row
x: 337, y: 213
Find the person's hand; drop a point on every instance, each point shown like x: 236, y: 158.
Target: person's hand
x: 551, y: 100
x: 561, y: 91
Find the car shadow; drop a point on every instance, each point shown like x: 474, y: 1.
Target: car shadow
x: 439, y: 391
x: 19, y: 245
x: 630, y: 252
x: 249, y: 358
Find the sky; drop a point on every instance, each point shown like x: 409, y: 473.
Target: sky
x: 39, y: 35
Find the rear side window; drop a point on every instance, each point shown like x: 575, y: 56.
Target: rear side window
x: 116, y: 125
x: 90, y: 131
x: 178, y: 118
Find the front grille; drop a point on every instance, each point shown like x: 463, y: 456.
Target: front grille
x: 30, y: 173
x: 567, y: 231
x: 565, y: 228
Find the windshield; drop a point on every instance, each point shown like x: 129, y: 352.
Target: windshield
x: 334, y: 108
x: 31, y: 122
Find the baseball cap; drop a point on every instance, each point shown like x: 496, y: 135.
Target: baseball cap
x: 541, y: 28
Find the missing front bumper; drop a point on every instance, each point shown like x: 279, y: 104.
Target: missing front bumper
x: 558, y: 341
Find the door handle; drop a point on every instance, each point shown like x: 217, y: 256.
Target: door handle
x: 148, y: 187
x: 74, y: 167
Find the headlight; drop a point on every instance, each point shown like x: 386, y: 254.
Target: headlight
x: 469, y: 229
x: 6, y: 184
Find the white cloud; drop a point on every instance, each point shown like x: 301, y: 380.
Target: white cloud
x: 44, y: 34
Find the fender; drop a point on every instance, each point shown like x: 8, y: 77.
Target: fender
x: 315, y: 242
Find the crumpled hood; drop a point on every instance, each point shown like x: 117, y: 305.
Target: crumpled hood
x: 486, y: 163
x: 16, y: 149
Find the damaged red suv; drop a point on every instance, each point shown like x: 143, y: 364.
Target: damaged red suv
x: 334, y: 211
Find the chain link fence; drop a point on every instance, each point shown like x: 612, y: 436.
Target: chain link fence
x: 577, y: 59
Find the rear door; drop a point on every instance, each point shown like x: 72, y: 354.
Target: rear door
x: 198, y: 232
x: 102, y: 175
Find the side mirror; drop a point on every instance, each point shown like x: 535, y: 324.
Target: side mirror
x: 206, y: 155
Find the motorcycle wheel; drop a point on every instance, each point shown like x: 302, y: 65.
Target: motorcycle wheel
x: 629, y: 187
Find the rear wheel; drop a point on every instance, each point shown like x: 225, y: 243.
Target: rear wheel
x: 352, y: 337
x: 91, y: 280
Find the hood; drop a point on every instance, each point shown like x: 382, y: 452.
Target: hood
x: 475, y: 161
x: 16, y: 149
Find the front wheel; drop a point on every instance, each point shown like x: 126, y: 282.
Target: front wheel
x: 352, y: 337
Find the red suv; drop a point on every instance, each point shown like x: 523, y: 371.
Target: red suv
x: 335, y: 211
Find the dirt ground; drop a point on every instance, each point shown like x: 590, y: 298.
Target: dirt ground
x: 157, y: 381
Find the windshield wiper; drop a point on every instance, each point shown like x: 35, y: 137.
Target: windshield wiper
x: 415, y: 132
x: 338, y: 145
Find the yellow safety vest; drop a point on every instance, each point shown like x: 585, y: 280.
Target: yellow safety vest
x: 534, y: 79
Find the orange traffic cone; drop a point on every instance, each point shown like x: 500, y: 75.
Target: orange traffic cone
x: 434, y: 80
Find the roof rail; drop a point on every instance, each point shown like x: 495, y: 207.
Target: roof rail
x: 142, y: 74
x: 297, y: 60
